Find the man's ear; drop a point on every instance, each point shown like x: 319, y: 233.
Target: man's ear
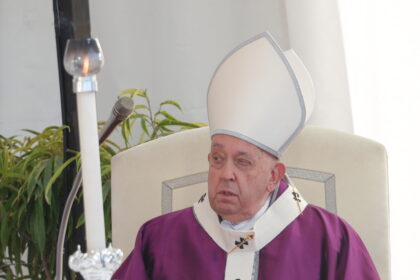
x: 277, y: 173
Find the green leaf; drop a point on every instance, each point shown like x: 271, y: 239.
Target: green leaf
x: 176, y: 122
x: 166, y: 114
x: 80, y: 221
x: 141, y: 106
x: 54, y: 128
x: 33, y: 178
x: 33, y: 157
x: 56, y: 174
x: 138, y: 116
x: 106, y: 188
x: 200, y: 124
x: 142, y: 139
x: 5, y: 227
x: 38, y: 225
x: 144, y: 126
x: 140, y: 92
x: 127, y: 91
x: 164, y: 128
x: 31, y: 131
x: 112, y: 143
x: 130, y: 125
x: 10, y: 187
x: 126, y: 132
x: 48, y: 171
x: 165, y: 134
x: 18, y: 265
x: 7, y: 159
x: 171, y: 102
x: 6, y: 173
x: 57, y: 162
x: 105, y: 170
x: 22, y: 209
x: 133, y: 92
x: 107, y: 149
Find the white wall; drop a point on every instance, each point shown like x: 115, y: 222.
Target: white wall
x: 169, y: 47
x: 382, y: 45
x: 172, y: 47
x: 29, y: 88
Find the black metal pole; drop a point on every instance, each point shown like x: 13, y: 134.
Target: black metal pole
x: 72, y: 20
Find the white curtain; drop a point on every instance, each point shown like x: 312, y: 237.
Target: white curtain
x: 382, y: 45
x: 315, y: 34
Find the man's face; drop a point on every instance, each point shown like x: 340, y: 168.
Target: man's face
x: 241, y: 177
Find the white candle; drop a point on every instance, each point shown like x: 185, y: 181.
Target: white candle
x: 91, y: 171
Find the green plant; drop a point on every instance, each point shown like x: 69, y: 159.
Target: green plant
x: 153, y: 125
x: 30, y: 203
x: 31, y: 181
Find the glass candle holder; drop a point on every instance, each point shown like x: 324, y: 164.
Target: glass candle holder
x: 83, y: 57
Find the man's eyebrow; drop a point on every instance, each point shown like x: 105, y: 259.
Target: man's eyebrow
x: 217, y: 145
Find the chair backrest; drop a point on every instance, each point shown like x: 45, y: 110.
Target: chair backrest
x: 343, y: 173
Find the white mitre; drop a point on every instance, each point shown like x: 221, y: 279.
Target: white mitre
x: 260, y: 94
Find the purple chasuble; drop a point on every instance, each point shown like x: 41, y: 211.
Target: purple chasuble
x: 315, y: 245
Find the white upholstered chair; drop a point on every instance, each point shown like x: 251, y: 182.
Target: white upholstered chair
x: 343, y: 173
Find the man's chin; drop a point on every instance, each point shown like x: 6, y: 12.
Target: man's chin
x: 223, y: 209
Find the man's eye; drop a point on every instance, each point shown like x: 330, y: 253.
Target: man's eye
x: 243, y: 162
x: 217, y: 158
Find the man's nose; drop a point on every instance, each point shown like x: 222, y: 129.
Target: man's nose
x: 228, y: 171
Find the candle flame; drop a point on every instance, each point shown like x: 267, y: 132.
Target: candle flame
x: 85, y: 69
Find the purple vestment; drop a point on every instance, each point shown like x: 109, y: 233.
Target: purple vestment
x: 316, y: 245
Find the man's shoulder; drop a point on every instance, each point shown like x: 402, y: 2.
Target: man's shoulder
x: 171, y: 226
x: 319, y: 213
x: 178, y: 217
x: 330, y: 223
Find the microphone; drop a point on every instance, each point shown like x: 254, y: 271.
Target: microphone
x: 121, y: 110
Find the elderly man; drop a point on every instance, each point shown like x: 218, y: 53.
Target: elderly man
x: 252, y: 223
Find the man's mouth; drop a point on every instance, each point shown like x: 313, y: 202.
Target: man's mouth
x: 227, y: 193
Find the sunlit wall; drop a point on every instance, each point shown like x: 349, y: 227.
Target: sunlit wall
x: 382, y: 44
x: 29, y: 86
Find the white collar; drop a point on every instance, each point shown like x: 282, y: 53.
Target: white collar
x: 241, y: 245
x: 279, y: 215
